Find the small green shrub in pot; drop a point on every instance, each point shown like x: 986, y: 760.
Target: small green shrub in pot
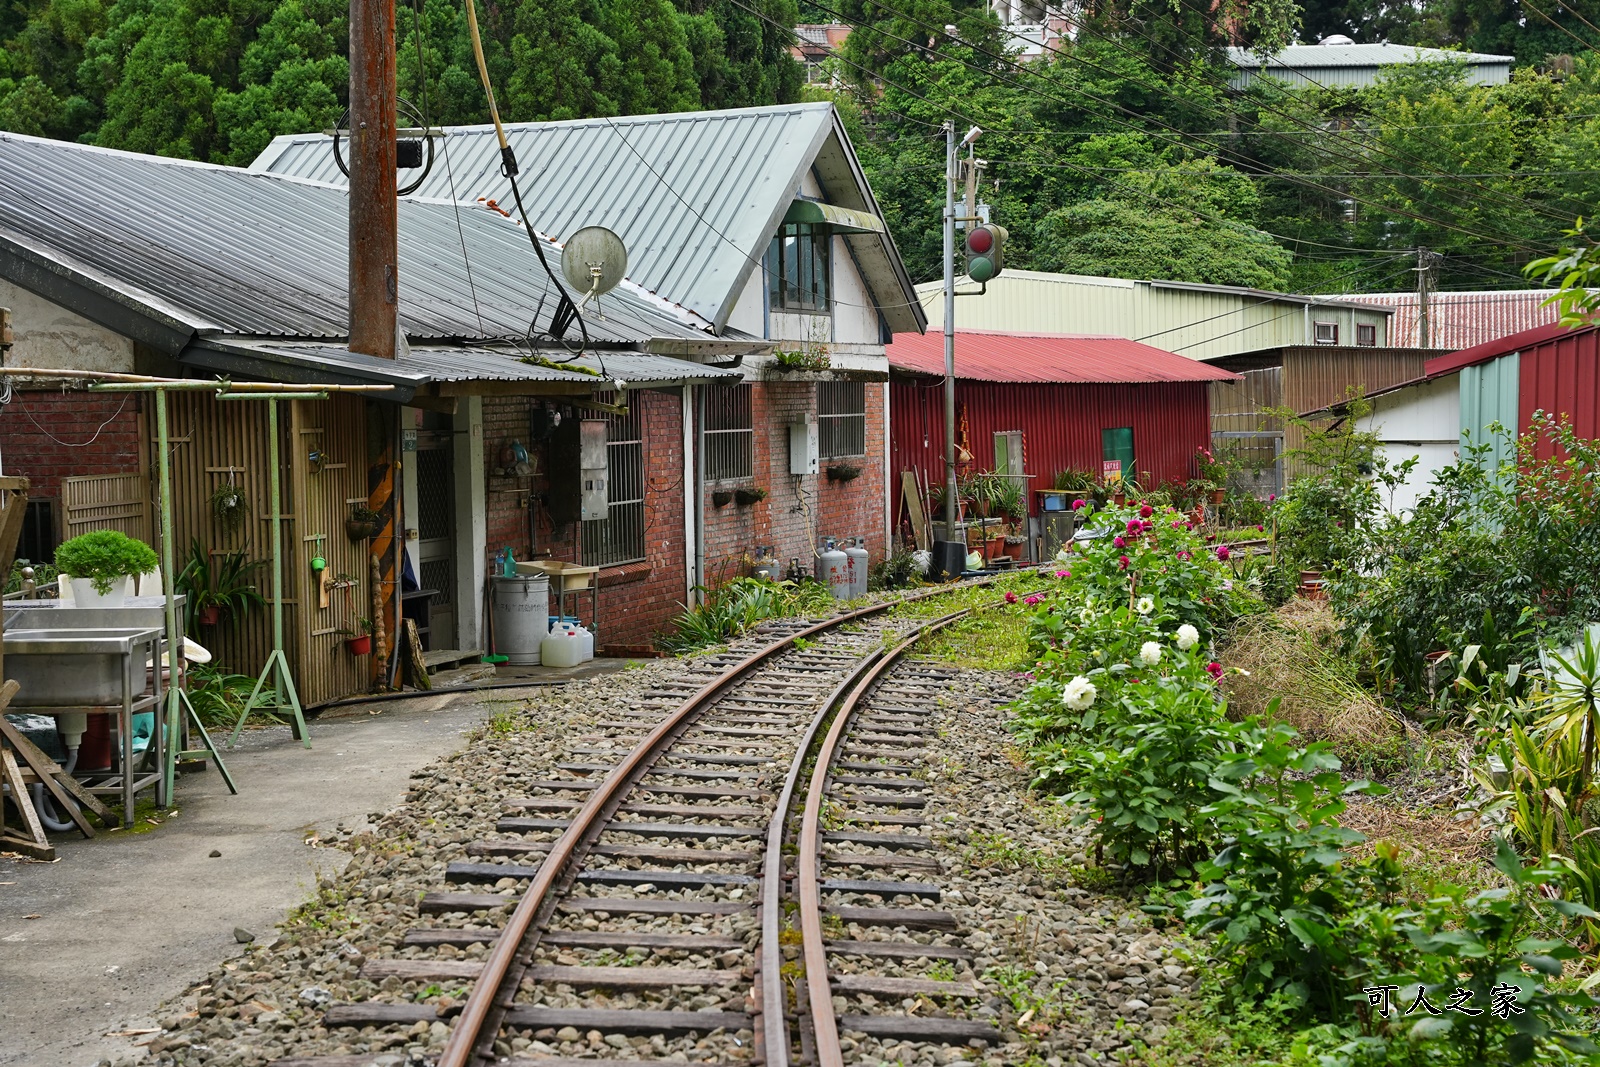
x: 104, y: 557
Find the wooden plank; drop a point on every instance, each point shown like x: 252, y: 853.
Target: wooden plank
x: 622, y: 939
x: 912, y: 496
x: 35, y: 843
x: 618, y: 1021
x: 925, y: 918
x: 909, y: 950
x: 43, y: 767
x: 635, y: 977
x: 921, y: 1028
x: 643, y: 829
x: 637, y: 852
x: 441, y: 903
x: 896, y: 841
x: 886, y: 890
x: 665, y: 879
x: 450, y: 937
x: 416, y: 662
x: 624, y: 906
x: 878, y: 986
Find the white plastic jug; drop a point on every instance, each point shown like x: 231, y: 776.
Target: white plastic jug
x: 563, y: 648
x: 585, y: 644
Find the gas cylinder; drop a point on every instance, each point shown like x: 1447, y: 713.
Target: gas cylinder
x: 765, y: 567
x: 857, y: 553
x: 833, y: 567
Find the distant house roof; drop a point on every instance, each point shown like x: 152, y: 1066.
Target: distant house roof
x: 695, y: 196
x: 169, y: 252
x: 1462, y: 319
x: 1337, y: 61
x: 991, y: 356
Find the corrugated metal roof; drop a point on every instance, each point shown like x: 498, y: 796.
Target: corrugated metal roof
x: 695, y: 196
x: 424, y: 364
x: 1358, y: 55
x: 232, y: 251
x: 1012, y: 357
x: 1463, y: 319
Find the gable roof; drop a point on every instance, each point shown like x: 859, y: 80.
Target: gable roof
x: 1348, y: 64
x: 695, y: 196
x: 994, y: 356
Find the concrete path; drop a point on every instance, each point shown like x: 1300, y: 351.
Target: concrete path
x: 125, y: 921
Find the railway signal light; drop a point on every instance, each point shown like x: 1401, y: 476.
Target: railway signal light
x: 985, y: 244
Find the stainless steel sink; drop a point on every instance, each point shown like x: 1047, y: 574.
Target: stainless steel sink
x: 62, y: 667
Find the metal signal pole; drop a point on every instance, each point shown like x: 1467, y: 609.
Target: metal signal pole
x: 950, y: 502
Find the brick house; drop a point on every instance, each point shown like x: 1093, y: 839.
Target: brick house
x: 757, y: 223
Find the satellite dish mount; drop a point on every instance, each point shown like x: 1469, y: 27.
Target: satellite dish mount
x: 594, y: 261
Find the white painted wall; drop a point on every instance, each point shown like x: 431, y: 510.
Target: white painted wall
x: 1424, y: 421
x: 472, y: 523
x: 48, y: 335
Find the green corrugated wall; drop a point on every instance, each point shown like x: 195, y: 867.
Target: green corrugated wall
x: 1489, y: 395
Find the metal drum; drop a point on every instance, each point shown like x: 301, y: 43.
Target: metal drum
x: 521, y: 616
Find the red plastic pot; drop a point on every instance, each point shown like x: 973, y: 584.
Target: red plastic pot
x: 210, y: 615
x: 359, y: 646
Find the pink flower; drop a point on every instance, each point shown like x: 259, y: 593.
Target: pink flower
x: 1147, y: 525
x: 1145, y: 511
x: 1031, y: 601
x: 1122, y: 561
x: 1214, y: 669
x: 1176, y: 523
x: 1260, y: 527
x: 1134, y: 526
x: 1076, y: 504
x: 1063, y: 574
x: 1210, y: 538
x: 1271, y: 497
x: 1119, y: 542
x: 1011, y: 598
x: 1222, y: 552
x: 1184, y: 554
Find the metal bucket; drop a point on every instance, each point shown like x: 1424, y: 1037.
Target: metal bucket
x: 521, y: 616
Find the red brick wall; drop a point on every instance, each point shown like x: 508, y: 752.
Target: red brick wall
x: 638, y: 599
x: 798, y: 512
x: 47, y: 436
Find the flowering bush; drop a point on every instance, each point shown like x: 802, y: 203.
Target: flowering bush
x: 1124, y: 714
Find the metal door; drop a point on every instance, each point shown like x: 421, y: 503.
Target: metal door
x: 436, y: 532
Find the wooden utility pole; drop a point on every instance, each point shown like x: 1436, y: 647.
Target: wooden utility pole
x: 1424, y: 268
x: 374, y: 273
x: 374, y: 238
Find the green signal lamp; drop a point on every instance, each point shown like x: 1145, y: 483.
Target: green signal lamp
x: 985, y: 243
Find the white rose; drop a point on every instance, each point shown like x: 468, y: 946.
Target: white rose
x: 1078, y: 694
x: 1188, y: 637
x: 1149, y: 653
x: 1145, y: 605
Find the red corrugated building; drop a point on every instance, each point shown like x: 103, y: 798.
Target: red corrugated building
x: 1068, y: 397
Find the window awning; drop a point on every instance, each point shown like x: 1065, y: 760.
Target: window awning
x: 842, y: 219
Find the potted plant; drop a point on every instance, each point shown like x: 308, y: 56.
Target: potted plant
x: 101, y: 563
x: 362, y: 523
x: 229, y: 505
x: 721, y: 498
x: 843, y: 472
x: 358, y: 642
x: 746, y: 495
x: 215, y: 587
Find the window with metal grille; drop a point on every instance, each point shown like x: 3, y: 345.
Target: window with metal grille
x: 1327, y: 333
x: 841, y: 419
x: 619, y: 537
x: 799, y: 267
x: 1366, y: 335
x: 729, y: 436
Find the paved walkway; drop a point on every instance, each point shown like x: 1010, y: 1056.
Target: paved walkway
x: 126, y: 921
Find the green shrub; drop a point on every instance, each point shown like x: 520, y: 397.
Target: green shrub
x: 104, y: 556
x: 733, y: 608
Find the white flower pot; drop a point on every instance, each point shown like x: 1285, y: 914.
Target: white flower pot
x: 85, y: 596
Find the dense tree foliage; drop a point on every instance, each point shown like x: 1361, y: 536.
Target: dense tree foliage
x: 217, y: 79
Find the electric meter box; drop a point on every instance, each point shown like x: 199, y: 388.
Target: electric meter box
x: 803, y: 446
x: 593, y: 472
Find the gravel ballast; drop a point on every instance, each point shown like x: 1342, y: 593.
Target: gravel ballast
x: 1067, y: 974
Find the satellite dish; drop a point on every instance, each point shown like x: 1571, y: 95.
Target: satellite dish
x: 594, y: 261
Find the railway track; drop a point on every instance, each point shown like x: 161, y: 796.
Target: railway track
x: 737, y: 870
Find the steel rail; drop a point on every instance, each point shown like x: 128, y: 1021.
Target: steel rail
x: 464, y: 1039
x: 824, y: 1023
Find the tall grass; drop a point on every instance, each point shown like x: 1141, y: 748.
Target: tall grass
x: 729, y: 610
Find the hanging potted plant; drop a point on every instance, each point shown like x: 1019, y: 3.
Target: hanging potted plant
x: 358, y: 642
x: 101, y: 563
x: 721, y: 498
x: 362, y: 523
x: 746, y: 495
x: 843, y: 472
x: 229, y: 505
